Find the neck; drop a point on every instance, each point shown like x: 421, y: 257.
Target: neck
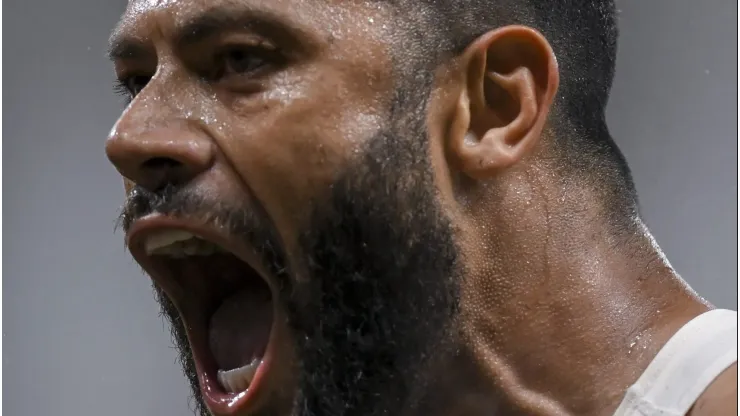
x: 560, y: 313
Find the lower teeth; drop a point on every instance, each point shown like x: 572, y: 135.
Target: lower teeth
x: 238, y: 379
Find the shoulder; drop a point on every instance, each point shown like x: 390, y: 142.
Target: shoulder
x: 720, y: 397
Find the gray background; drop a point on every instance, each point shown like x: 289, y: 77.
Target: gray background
x: 81, y: 332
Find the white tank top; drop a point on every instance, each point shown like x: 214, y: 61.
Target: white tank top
x: 699, y: 352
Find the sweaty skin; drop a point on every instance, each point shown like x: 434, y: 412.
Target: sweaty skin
x: 558, y: 313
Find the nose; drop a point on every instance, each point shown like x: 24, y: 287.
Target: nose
x: 161, y: 156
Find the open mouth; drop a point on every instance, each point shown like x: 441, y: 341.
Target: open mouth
x: 226, y: 304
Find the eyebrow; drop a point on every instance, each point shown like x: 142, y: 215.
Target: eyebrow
x: 210, y: 24
x: 125, y: 48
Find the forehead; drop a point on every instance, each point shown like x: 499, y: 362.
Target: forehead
x: 333, y: 18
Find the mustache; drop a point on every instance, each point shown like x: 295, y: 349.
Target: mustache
x: 170, y: 200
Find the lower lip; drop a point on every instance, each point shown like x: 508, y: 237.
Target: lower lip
x: 219, y: 401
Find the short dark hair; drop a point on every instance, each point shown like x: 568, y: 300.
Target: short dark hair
x: 583, y: 35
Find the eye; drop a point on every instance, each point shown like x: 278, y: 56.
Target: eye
x: 131, y: 86
x: 243, y: 60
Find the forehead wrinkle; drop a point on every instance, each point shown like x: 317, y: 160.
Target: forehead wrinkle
x: 181, y: 11
x: 140, y: 14
x: 173, y: 20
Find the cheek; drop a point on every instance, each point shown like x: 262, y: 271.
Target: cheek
x: 287, y: 162
x: 288, y: 154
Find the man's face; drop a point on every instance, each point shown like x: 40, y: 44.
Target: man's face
x: 280, y: 194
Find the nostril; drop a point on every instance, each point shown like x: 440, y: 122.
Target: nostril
x: 161, y: 163
x: 158, y: 172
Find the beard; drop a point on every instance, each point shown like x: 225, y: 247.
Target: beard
x: 381, y: 294
x: 378, y: 292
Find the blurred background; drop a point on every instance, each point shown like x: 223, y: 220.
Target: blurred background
x: 81, y: 330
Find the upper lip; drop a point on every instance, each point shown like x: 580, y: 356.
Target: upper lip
x: 136, y: 237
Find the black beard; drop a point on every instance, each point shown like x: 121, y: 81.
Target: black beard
x: 381, y: 292
x: 379, y: 287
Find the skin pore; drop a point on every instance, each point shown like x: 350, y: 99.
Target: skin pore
x: 430, y: 255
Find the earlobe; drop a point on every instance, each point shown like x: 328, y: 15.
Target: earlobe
x: 501, y: 114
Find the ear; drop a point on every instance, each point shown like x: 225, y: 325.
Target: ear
x: 511, y: 77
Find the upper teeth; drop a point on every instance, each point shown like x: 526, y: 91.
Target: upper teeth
x: 178, y: 244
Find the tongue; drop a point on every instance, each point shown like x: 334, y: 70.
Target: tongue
x: 240, y: 328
